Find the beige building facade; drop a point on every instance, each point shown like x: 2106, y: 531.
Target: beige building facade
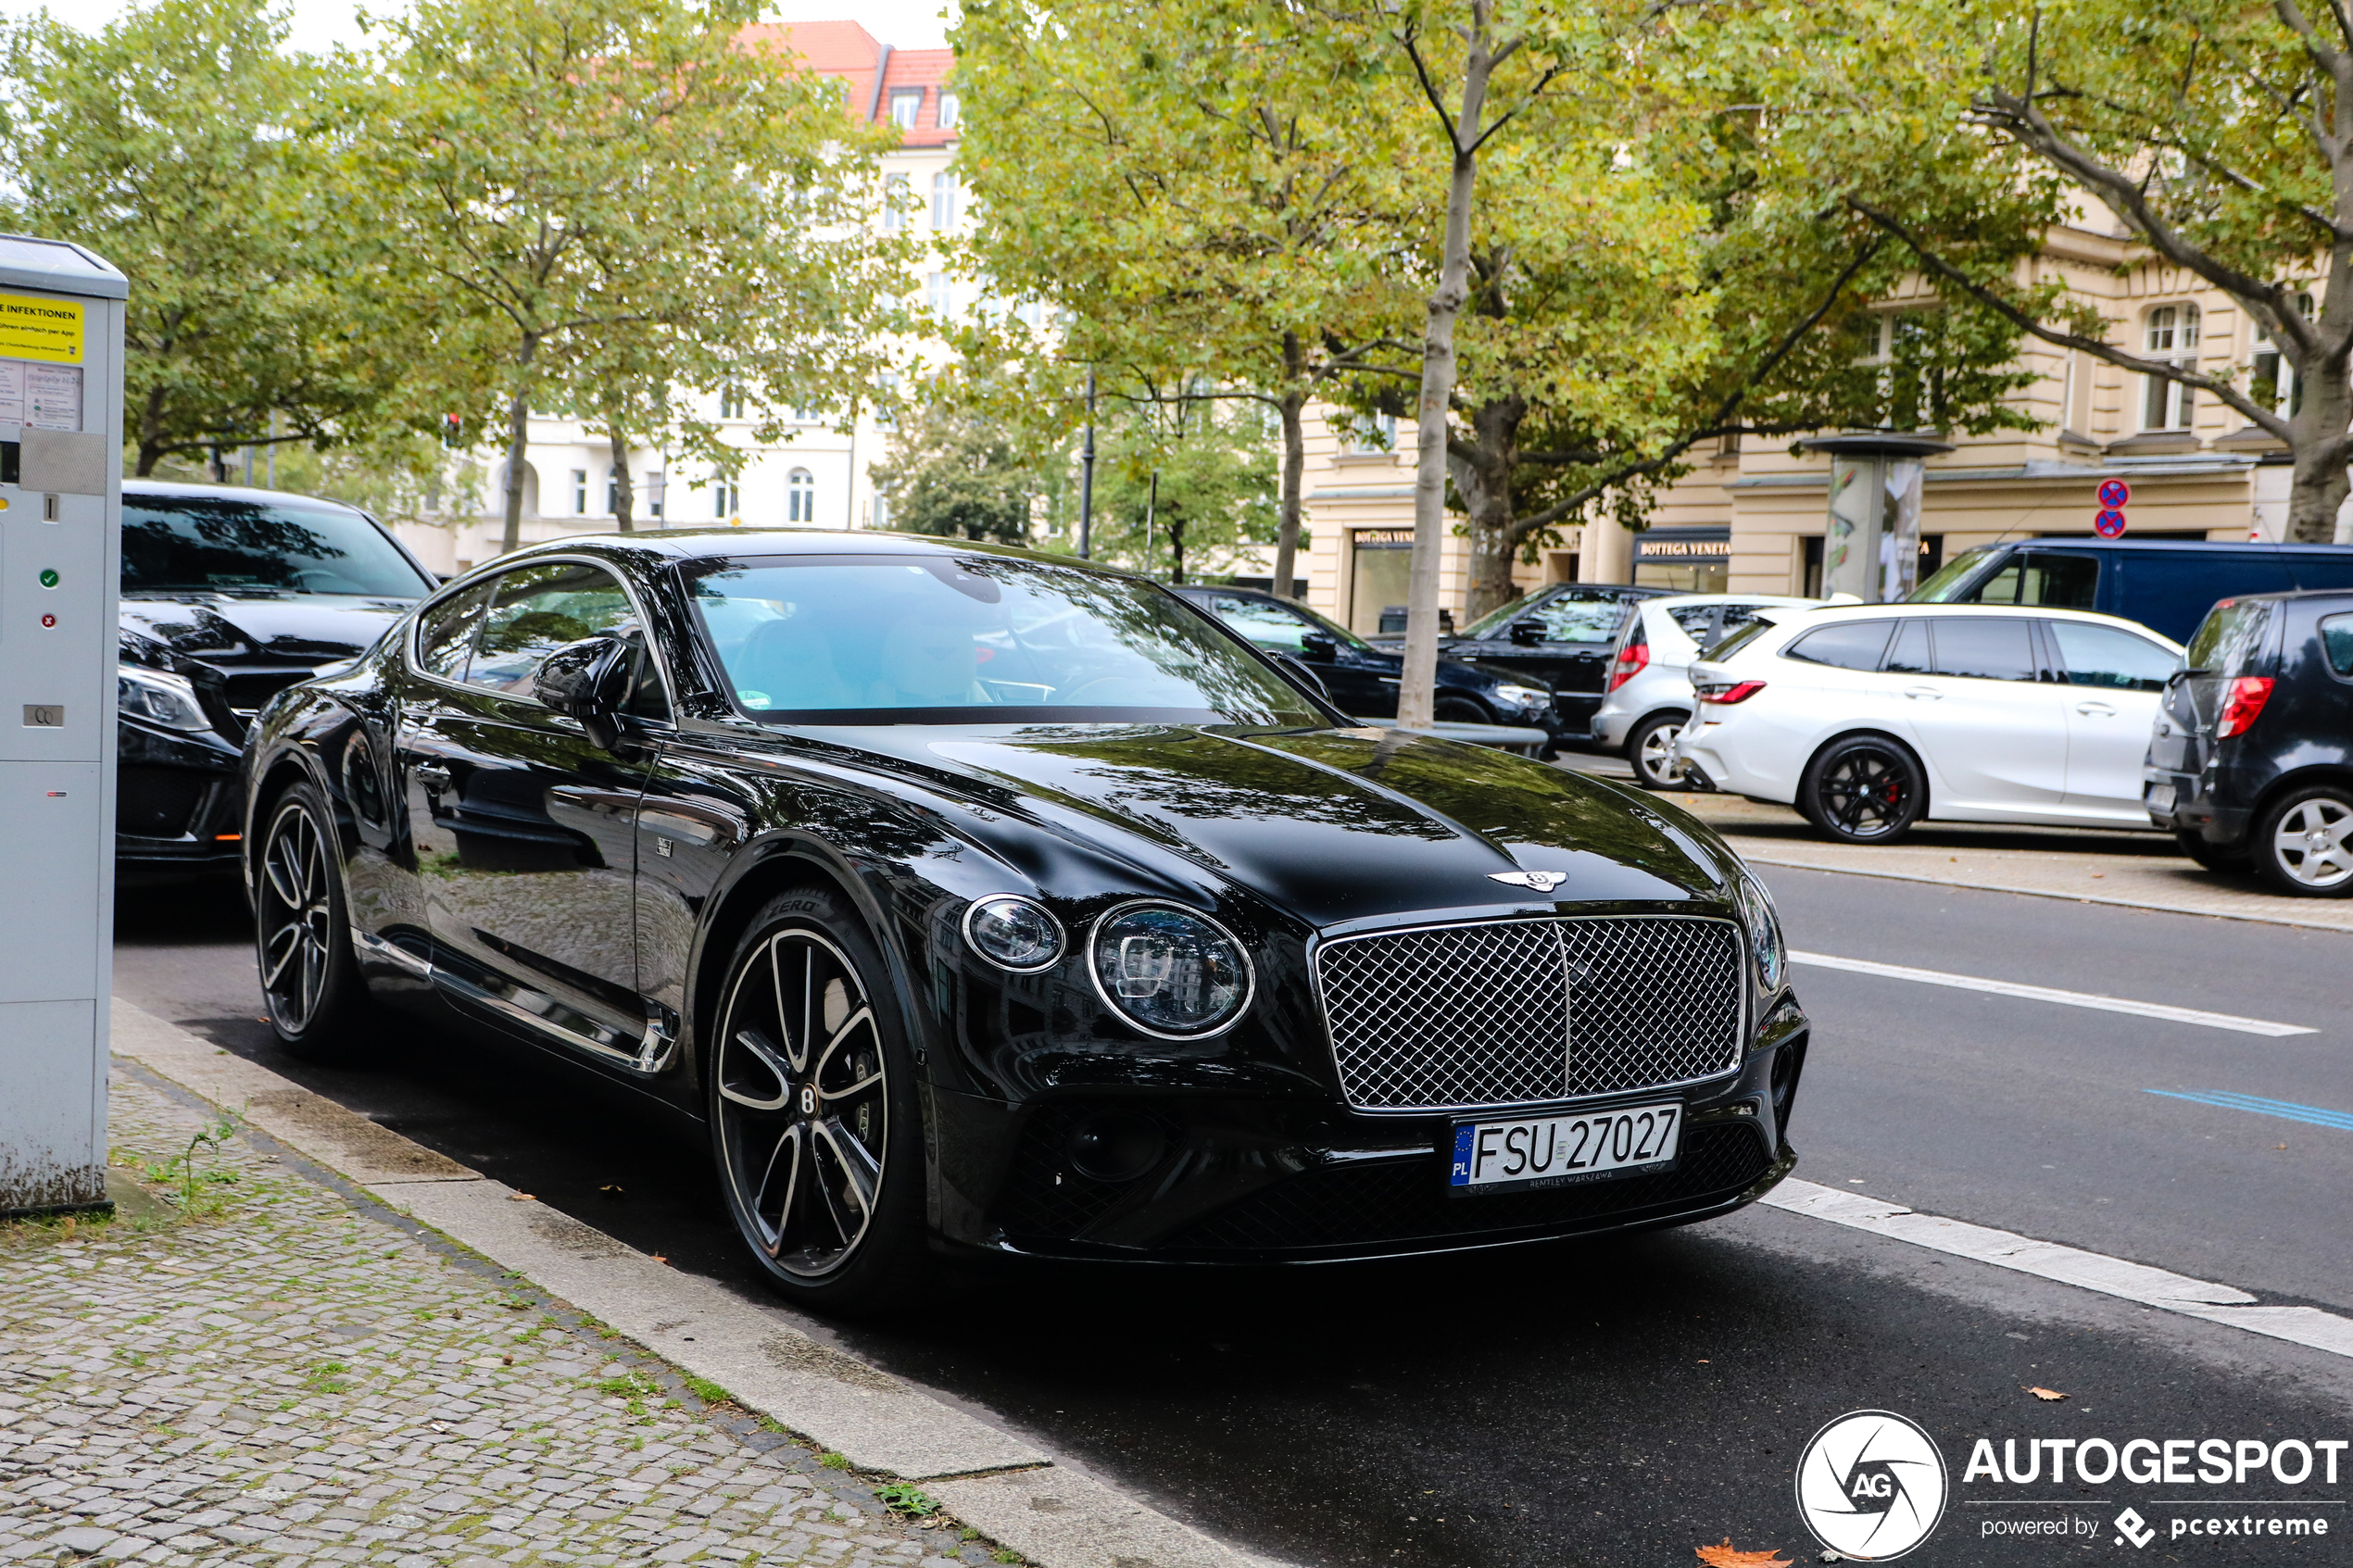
x: 1752, y: 517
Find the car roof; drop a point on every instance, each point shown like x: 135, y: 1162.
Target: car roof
x: 1785, y: 601
x: 180, y: 489
x: 2093, y: 542
x: 1830, y: 615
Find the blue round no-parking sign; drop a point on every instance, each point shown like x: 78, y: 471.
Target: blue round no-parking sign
x: 2114, y: 493
x: 2109, y: 524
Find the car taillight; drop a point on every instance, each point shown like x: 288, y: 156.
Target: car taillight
x: 2243, y: 706
x: 1632, y: 659
x: 1739, y: 691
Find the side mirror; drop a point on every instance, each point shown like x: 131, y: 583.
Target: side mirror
x: 579, y: 680
x: 1528, y: 633
x: 1318, y: 647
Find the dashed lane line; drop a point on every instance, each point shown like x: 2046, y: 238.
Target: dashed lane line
x: 2063, y: 998
x: 2289, y: 1109
x: 2069, y: 1265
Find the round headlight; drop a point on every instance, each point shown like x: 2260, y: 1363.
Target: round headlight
x: 1013, y: 933
x: 1170, y: 972
x: 1764, y: 932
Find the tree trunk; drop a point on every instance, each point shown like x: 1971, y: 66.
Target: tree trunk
x: 1294, y: 400
x: 151, y: 432
x: 2317, y: 492
x: 1177, y: 548
x: 518, y: 448
x: 625, y: 495
x: 1483, y: 480
x: 1417, y: 690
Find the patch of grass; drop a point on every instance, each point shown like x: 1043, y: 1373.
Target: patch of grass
x: 628, y: 1386
x: 1006, y: 1554
x: 327, y: 1378
x: 903, y: 1496
x: 709, y: 1393
x: 968, y: 1533
x: 833, y: 1461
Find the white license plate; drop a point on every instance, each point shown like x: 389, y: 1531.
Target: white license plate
x: 2160, y: 797
x: 1555, y: 1150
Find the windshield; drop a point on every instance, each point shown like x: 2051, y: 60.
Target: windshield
x: 1945, y: 584
x: 1568, y: 618
x: 2230, y: 638
x: 886, y: 640
x: 208, y: 544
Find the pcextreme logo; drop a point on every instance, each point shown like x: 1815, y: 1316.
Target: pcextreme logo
x: 1870, y: 1485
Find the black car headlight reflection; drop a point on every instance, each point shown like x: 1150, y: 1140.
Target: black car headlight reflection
x: 1170, y: 972
x: 1013, y: 933
x: 1765, y: 942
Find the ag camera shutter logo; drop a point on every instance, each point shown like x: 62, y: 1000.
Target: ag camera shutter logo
x: 1871, y: 1485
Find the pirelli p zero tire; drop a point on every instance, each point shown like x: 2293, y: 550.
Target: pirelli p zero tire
x: 812, y: 1109
x: 1864, y: 789
x: 310, y: 982
x: 1650, y: 748
x: 2304, y: 843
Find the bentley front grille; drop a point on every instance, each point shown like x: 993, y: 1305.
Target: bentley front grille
x: 1527, y: 1011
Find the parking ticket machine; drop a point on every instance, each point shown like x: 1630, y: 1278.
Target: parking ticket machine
x: 60, y: 543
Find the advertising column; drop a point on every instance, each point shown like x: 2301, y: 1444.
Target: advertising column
x: 60, y: 541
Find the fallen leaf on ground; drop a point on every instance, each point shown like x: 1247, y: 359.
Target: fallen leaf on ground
x: 659, y: 1258
x: 1727, y: 1556
x: 2046, y: 1394
x: 520, y: 1198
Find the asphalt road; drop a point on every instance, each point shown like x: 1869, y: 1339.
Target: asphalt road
x: 1623, y: 1402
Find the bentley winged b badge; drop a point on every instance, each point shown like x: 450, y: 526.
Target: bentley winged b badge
x: 1540, y: 881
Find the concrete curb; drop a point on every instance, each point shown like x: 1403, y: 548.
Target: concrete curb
x: 2141, y: 904
x: 1018, y: 1494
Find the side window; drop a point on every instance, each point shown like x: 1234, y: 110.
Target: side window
x: 445, y: 633
x: 2231, y: 638
x: 537, y: 610
x: 1908, y: 654
x: 1580, y: 620
x: 2042, y: 577
x: 1853, y: 646
x: 2104, y: 656
x: 2337, y: 642
x: 1263, y: 623
x: 1985, y: 650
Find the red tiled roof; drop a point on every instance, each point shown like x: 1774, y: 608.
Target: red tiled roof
x: 845, y: 50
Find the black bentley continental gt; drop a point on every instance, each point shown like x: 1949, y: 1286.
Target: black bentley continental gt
x: 984, y: 902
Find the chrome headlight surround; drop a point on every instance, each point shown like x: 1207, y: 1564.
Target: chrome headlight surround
x: 1768, y: 949
x: 1099, y: 959
x: 159, y: 697
x: 985, y: 918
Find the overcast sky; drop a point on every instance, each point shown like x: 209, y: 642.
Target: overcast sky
x: 320, y: 24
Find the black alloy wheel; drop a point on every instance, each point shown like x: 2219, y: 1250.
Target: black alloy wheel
x: 812, y: 1109
x: 1461, y: 711
x: 1865, y: 789
x: 2304, y: 845
x: 310, y: 981
x: 1650, y: 748
x: 2213, y: 857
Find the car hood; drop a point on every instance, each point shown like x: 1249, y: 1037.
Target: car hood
x: 228, y: 630
x: 1340, y: 825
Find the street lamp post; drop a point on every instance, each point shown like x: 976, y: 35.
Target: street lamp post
x: 1087, y: 479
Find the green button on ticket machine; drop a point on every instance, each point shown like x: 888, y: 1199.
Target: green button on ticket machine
x: 60, y: 543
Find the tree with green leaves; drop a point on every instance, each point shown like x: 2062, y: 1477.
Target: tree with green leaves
x: 2217, y: 134
x: 626, y: 206
x: 957, y: 470
x: 186, y: 144
x: 1186, y: 477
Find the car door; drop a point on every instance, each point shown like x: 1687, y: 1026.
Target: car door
x: 2115, y: 683
x: 1573, y: 655
x: 525, y: 829
x: 1972, y: 691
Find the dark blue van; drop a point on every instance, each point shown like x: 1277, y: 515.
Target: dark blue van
x: 2167, y: 585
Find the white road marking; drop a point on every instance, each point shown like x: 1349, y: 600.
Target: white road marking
x: 2045, y: 994
x: 2069, y: 1265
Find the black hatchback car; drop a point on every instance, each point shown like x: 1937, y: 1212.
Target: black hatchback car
x: 2251, y: 761
x: 229, y: 596
x: 1563, y: 636
x: 1362, y: 678
x: 996, y: 902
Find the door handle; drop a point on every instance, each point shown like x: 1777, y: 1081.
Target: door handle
x: 1923, y: 694
x: 2097, y: 710
x: 432, y: 775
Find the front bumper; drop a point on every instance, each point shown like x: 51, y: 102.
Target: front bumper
x: 1251, y: 1181
x: 177, y: 802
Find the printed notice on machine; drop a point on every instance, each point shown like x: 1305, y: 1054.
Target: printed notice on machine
x: 48, y: 330
x: 43, y: 397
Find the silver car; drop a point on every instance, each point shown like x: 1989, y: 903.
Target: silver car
x: 1647, y: 694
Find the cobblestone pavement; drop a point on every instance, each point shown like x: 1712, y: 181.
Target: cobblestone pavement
x: 283, y: 1375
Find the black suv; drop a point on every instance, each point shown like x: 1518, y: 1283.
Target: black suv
x: 2251, y: 761
x: 1362, y: 679
x: 1564, y: 635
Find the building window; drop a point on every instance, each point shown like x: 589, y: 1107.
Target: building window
x: 726, y: 496
x: 896, y: 194
x: 801, y: 496
x: 580, y: 491
x: 905, y: 106
x: 943, y: 200
x: 940, y: 294
x: 731, y: 404
x: 951, y: 109
x: 2171, y: 335
x: 657, y: 487
x: 613, y: 492
x: 2274, y: 384
x: 882, y: 510
x: 1362, y: 433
